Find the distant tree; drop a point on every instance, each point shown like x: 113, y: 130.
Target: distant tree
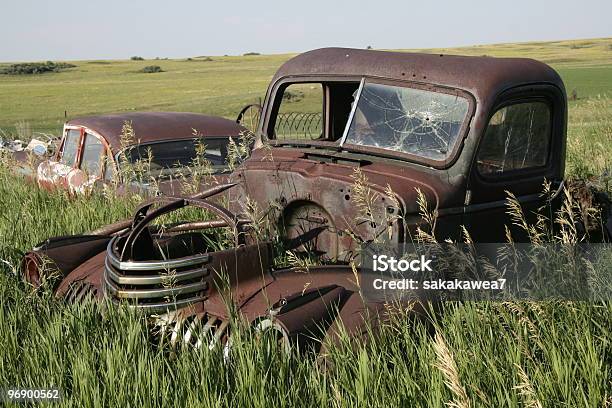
x: 137, y: 58
x: 251, y: 53
x: 369, y: 47
x: 31, y: 68
x: 151, y: 69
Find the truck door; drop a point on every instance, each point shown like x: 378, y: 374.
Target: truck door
x: 523, y: 145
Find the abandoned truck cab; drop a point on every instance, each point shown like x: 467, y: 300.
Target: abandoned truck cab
x: 461, y: 130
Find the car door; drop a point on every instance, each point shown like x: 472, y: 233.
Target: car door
x: 90, y: 164
x: 55, y: 173
x: 523, y: 145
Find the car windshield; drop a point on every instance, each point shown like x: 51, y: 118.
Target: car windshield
x: 419, y: 122
x: 179, y: 153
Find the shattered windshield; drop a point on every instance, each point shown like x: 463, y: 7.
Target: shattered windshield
x: 407, y: 120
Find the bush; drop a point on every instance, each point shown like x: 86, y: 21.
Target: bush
x: 151, y: 69
x: 137, y: 58
x: 31, y: 68
x: 251, y: 53
x: 293, y: 96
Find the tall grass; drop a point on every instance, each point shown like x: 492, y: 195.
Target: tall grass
x: 478, y: 354
x: 30, y: 215
x: 589, y: 150
x: 481, y: 355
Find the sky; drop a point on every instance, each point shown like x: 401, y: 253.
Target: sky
x: 117, y: 29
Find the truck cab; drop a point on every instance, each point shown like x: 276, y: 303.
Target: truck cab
x: 462, y: 131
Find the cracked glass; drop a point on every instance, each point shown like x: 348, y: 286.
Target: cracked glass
x: 517, y: 137
x: 419, y: 122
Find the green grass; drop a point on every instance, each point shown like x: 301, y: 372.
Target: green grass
x: 218, y: 87
x: 225, y: 84
x: 490, y: 354
x: 510, y: 355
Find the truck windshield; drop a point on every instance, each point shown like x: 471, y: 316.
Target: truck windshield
x: 419, y: 122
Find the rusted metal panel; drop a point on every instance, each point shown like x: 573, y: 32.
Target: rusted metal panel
x: 201, y: 284
x: 485, y: 77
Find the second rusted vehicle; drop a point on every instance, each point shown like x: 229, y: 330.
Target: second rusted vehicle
x: 352, y: 144
x: 92, y: 151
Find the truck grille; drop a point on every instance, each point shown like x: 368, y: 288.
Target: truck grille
x: 156, y: 286
x: 199, y: 330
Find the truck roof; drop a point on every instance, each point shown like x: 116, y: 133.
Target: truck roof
x: 482, y: 76
x: 158, y: 126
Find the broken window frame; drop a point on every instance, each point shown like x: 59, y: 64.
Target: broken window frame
x: 461, y: 133
x: 83, y: 131
x: 324, y: 106
x: 269, y: 115
x: 60, y: 155
x: 278, y: 88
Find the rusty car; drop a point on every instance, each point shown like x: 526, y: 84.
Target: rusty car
x: 92, y: 150
x: 350, y: 144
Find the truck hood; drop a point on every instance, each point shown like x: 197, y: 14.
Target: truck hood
x: 301, y: 173
x: 305, y: 189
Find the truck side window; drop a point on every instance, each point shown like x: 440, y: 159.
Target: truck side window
x: 517, y: 137
x: 93, y: 150
x: 300, y: 116
x: 70, y: 147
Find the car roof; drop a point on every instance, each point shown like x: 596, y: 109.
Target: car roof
x: 482, y: 76
x: 158, y: 126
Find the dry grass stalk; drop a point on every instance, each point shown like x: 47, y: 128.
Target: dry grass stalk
x: 447, y: 365
x: 526, y: 390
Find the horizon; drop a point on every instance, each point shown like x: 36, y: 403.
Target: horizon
x: 70, y: 30
x: 467, y: 46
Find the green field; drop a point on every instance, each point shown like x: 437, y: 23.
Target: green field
x: 225, y: 84
x: 484, y: 354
